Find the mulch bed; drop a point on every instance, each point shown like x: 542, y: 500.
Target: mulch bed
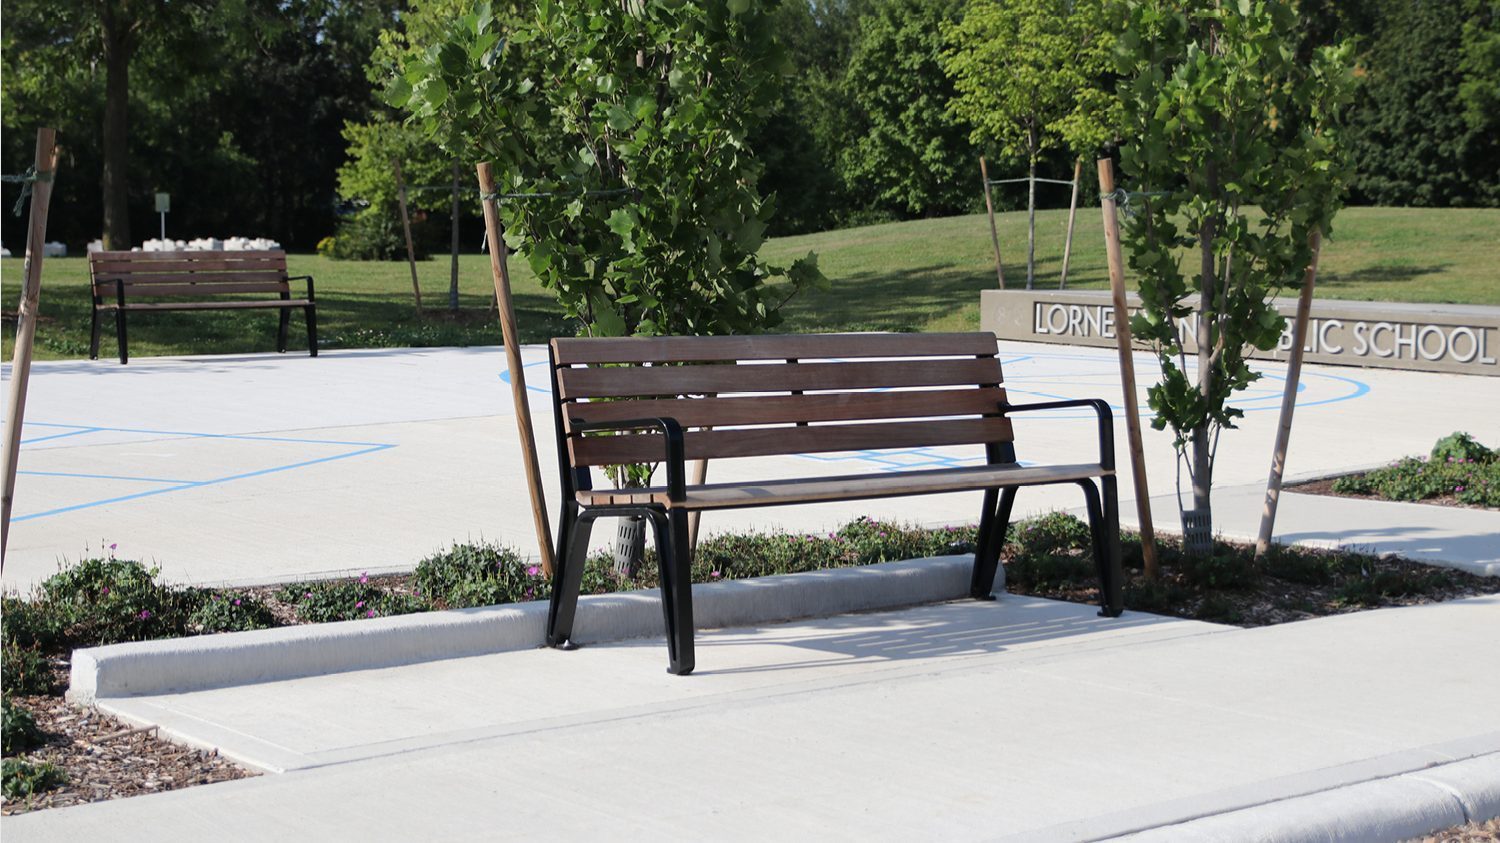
x: 1485, y: 832
x: 105, y: 758
x: 1325, y: 487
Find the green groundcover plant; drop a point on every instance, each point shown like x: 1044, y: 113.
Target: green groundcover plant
x: 1459, y: 467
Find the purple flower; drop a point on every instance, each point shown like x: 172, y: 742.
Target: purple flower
x: 364, y: 578
x: 104, y: 592
x: 359, y: 605
x: 529, y: 594
x: 532, y: 571
x: 370, y: 614
x: 308, y: 595
x: 1458, y: 488
x: 145, y: 615
x: 714, y: 574
x: 236, y: 601
x: 113, y: 545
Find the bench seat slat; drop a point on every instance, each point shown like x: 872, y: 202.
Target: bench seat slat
x: 574, y: 351
x: 263, y: 276
x: 207, y: 305
x: 853, y: 487
x: 773, y: 377
x: 788, y: 409
x: 194, y: 289
x: 770, y: 441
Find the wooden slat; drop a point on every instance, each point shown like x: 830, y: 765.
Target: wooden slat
x: 677, y: 380
x: 574, y: 351
x: 256, y: 276
x: 206, y: 305
x: 786, y: 409
x: 186, y: 254
x: 767, y: 441
x: 187, y: 288
x: 175, y: 266
x: 854, y: 487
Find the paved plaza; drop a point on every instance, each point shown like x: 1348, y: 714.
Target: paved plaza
x: 1020, y: 719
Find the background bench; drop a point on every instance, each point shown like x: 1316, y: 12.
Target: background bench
x: 718, y: 397
x: 197, y: 280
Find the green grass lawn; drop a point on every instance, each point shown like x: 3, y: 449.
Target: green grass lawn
x: 923, y: 275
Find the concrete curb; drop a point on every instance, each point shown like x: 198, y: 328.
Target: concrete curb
x: 1397, y: 808
x: 268, y: 655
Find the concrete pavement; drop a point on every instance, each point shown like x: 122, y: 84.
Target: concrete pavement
x: 1021, y: 719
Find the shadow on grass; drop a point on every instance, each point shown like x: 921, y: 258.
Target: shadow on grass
x: 1381, y: 274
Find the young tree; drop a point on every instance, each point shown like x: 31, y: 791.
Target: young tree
x: 623, y: 124
x: 906, y: 152
x: 1030, y: 76
x: 1242, y: 138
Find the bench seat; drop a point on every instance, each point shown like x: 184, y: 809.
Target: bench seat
x: 207, y: 305
x: 849, y: 487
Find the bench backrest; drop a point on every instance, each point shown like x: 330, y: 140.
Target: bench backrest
x: 195, y: 273
x: 768, y: 395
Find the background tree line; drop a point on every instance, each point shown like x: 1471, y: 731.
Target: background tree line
x: 246, y: 111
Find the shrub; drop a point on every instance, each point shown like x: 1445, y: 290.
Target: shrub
x: 479, y: 575
x: 1413, y: 479
x: 105, y: 601
x: 25, y: 778
x: 1459, y: 447
x: 1227, y: 567
x: 30, y: 623
x: 18, y: 731
x: 26, y: 670
x: 1055, y: 532
x: 220, y: 612
x: 374, y: 234
x: 347, y: 600
x: 1375, y: 590
x: 326, y: 246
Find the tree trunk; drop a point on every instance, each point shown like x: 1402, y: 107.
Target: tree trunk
x: 117, y: 50
x: 1201, y: 541
x: 453, y: 265
x: 1031, y: 227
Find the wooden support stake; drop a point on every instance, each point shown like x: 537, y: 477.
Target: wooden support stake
x: 1072, y: 213
x: 989, y: 206
x: 26, y: 312
x: 700, y: 476
x: 1289, y: 397
x: 501, y: 272
x: 1127, y: 363
x: 411, y: 255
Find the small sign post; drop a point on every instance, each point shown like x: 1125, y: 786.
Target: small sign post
x: 163, y: 205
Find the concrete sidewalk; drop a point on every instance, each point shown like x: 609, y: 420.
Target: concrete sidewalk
x: 1018, y: 719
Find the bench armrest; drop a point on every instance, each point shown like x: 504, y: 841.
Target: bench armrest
x: 309, y: 280
x: 1101, y: 409
x: 675, y: 459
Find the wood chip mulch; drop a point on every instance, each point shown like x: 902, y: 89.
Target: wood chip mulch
x: 1485, y: 832
x: 105, y: 758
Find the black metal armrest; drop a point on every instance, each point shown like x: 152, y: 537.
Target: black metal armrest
x: 309, y: 280
x: 1101, y: 409
x: 670, y: 429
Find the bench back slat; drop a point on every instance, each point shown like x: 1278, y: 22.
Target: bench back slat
x: 188, y: 273
x: 804, y: 396
x: 643, y: 382
x: 164, y: 287
x: 569, y: 352
x: 770, y: 441
x: 793, y: 409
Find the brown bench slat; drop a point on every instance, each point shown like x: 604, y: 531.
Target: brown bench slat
x: 572, y: 351
x: 854, y: 487
x: 786, y: 409
x: 771, y: 441
x: 248, y: 276
x: 186, y: 288
x: 207, y: 305
x: 174, y: 266
x: 774, y: 377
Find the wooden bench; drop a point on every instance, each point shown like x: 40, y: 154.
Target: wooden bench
x: 674, y: 399
x: 214, y: 280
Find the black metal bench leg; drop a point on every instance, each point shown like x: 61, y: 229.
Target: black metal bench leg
x: 993, y: 526
x: 676, y: 588
x: 312, y: 330
x: 120, y: 335
x: 566, y: 580
x: 1111, y: 573
x: 94, y: 336
x: 1105, y: 561
x: 286, y: 320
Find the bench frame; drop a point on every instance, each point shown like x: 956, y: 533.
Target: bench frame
x: 181, y: 282
x: 670, y: 519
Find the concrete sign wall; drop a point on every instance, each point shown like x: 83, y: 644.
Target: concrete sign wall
x: 1462, y: 339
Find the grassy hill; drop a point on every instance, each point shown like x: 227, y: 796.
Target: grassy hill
x: 923, y: 275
